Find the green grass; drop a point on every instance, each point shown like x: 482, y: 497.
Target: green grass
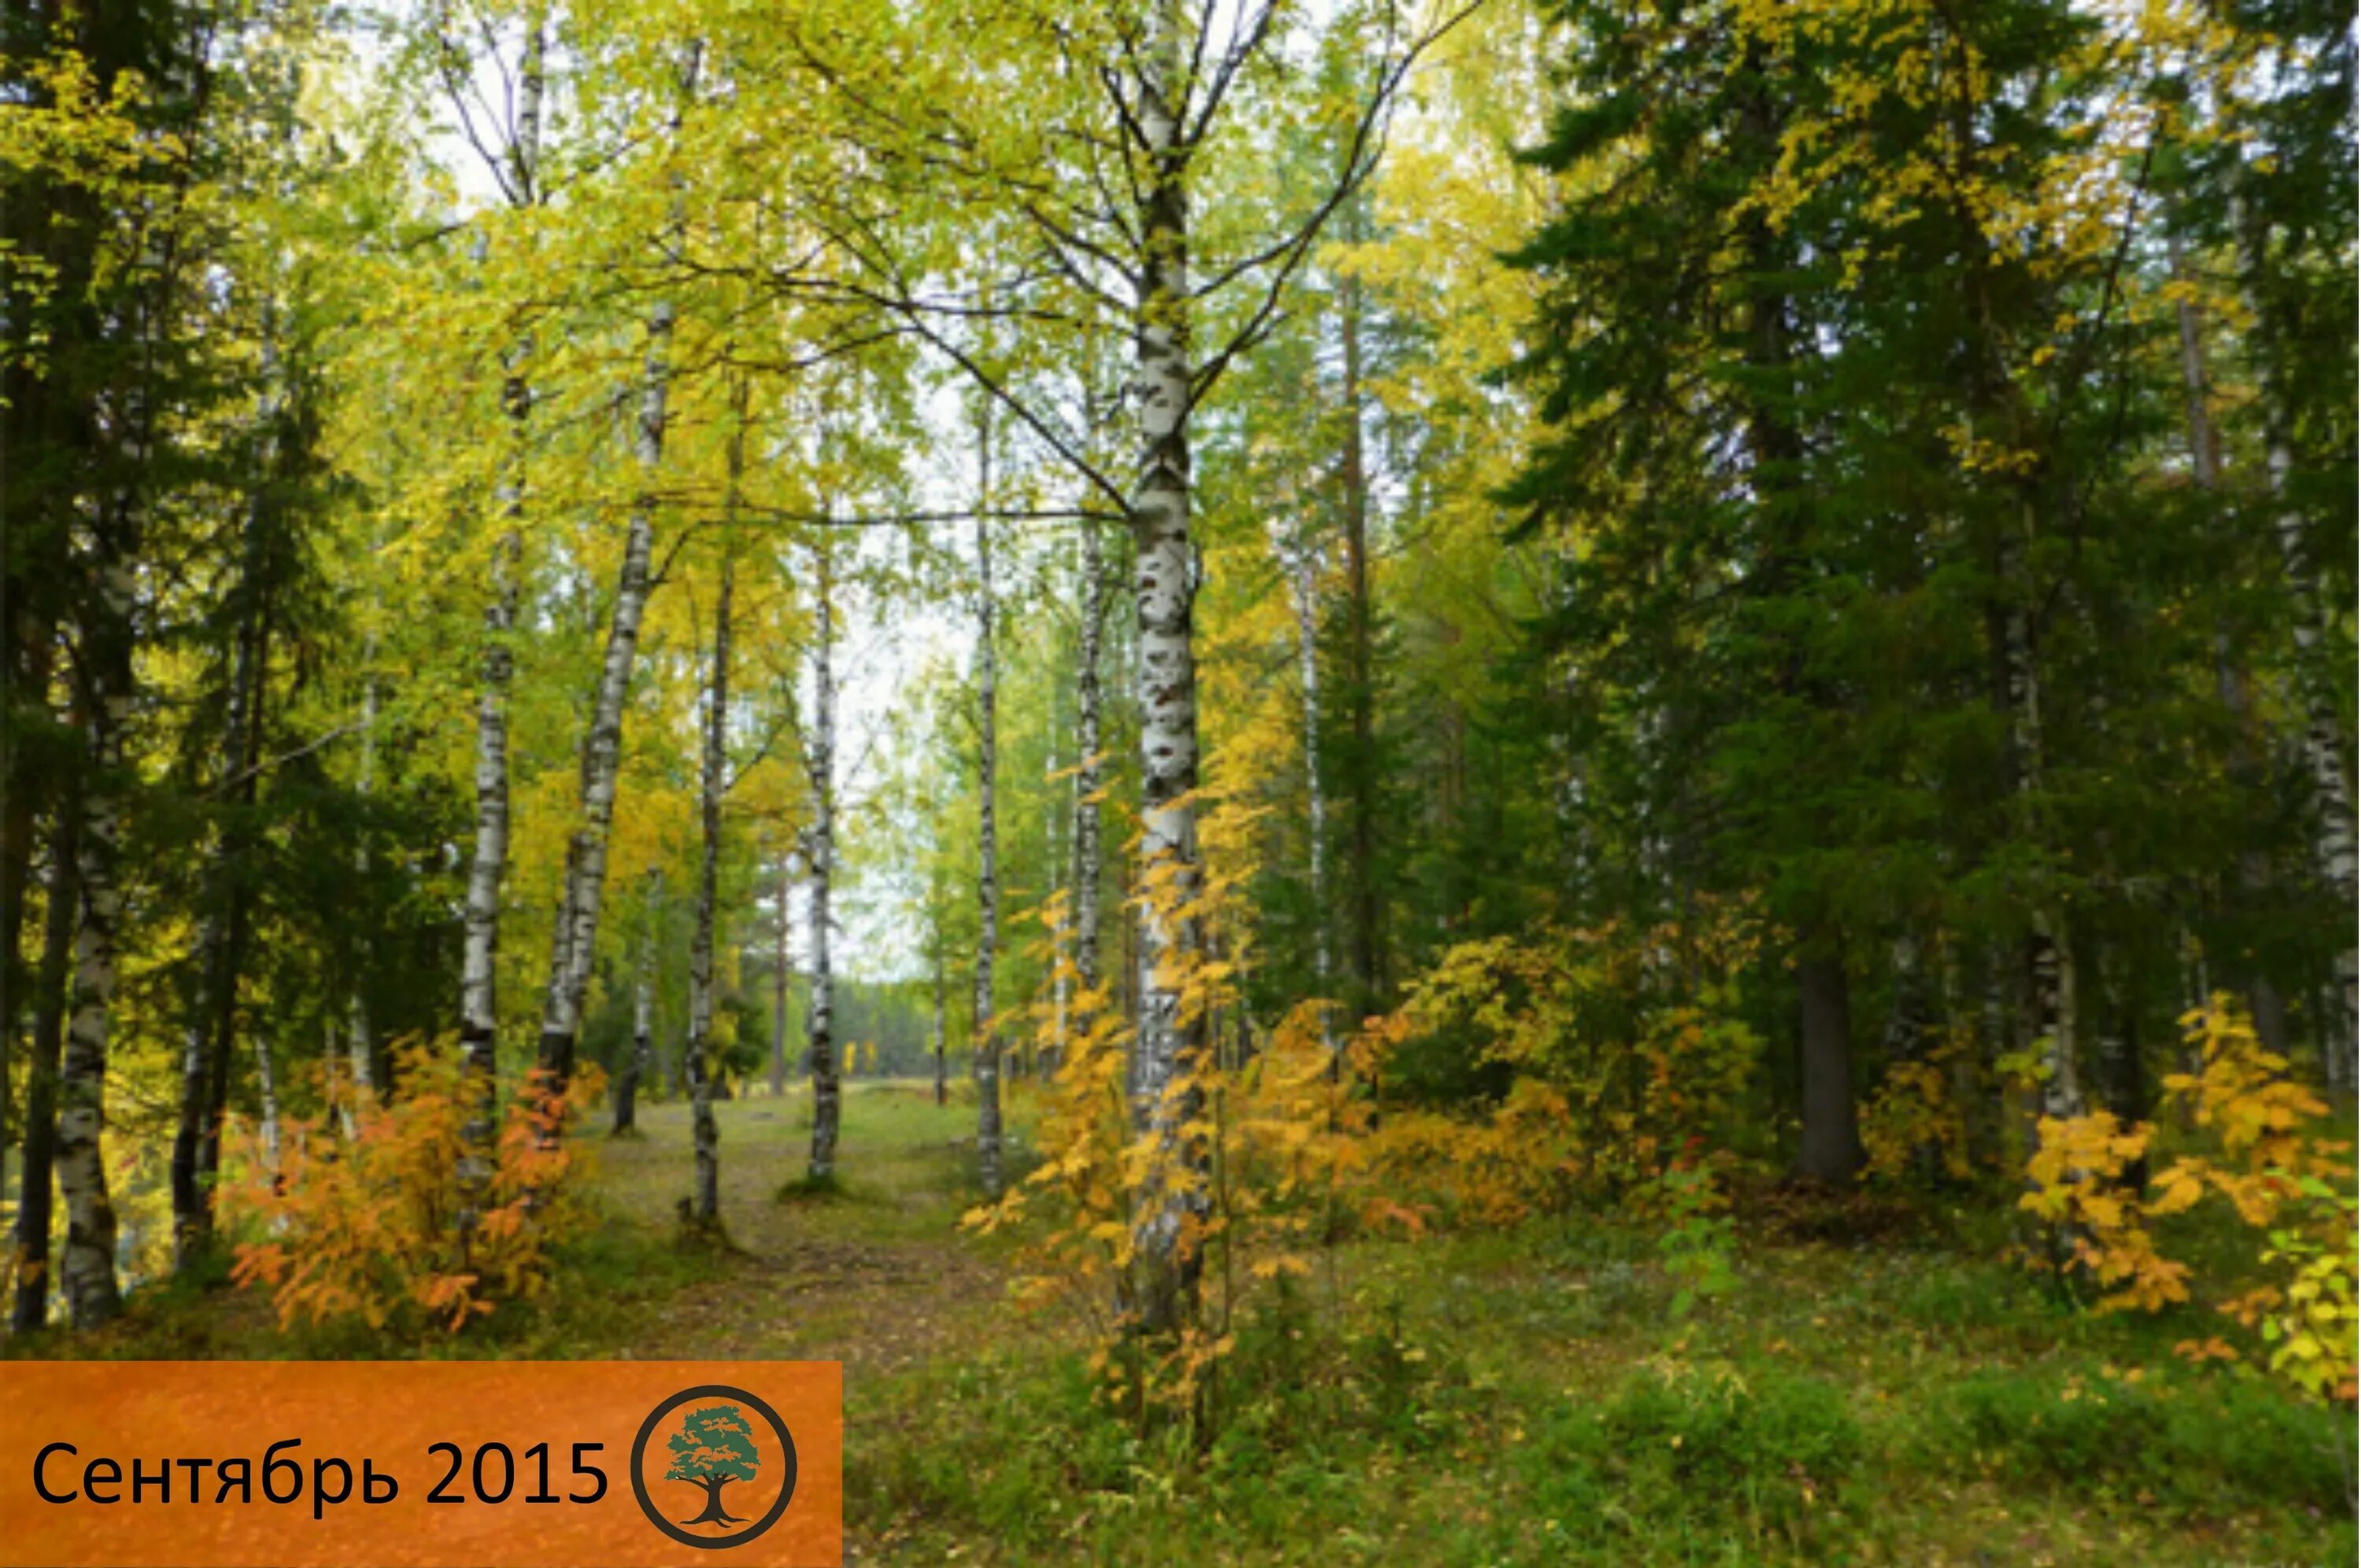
x: 1496, y: 1398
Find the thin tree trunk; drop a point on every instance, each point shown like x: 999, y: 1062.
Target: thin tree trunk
x: 1169, y: 1043
x: 634, y: 1075
x: 1832, y: 1145
x: 779, y: 978
x: 1369, y: 955
x: 361, y: 1044
x: 1088, y: 775
x: 1307, y: 659
x: 705, y: 1200
x: 88, y: 1269
x: 942, y: 1087
x: 35, y: 1206
x: 827, y: 1092
x: 2230, y: 679
x: 985, y: 1049
x: 2332, y: 790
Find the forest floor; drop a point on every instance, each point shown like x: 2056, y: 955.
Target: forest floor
x: 1504, y: 1397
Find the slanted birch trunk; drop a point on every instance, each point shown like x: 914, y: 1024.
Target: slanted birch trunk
x: 985, y: 1049
x: 88, y: 1266
x: 575, y: 942
x: 821, y: 859
x: 1169, y: 1043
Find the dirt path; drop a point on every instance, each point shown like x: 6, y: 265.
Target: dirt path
x: 877, y: 1275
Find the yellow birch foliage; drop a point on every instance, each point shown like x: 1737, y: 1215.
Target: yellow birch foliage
x: 2277, y: 1170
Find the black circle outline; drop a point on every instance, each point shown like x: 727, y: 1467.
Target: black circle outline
x: 640, y: 1482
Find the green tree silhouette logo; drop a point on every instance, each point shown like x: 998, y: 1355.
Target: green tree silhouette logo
x: 713, y: 1447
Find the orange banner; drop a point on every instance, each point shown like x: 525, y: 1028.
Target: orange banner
x: 421, y: 1464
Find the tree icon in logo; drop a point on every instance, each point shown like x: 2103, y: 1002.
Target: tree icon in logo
x: 713, y: 1447
x: 709, y: 1436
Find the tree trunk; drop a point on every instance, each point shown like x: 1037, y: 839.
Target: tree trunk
x: 1168, y: 1043
x: 1832, y: 1145
x: 361, y: 1044
x: 575, y: 942
x: 1360, y: 675
x: 634, y: 1075
x: 705, y: 1200
x: 478, y: 993
x: 985, y: 1039
x: 779, y: 978
x: 1089, y: 776
x: 714, y: 1512
x: 2332, y: 790
x: 942, y: 1088
x: 826, y: 1108
x: 2229, y: 677
x: 88, y: 1270
x: 211, y: 1030
x: 34, y: 1208
x: 1307, y: 659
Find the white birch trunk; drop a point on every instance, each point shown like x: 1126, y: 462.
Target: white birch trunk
x: 2332, y: 790
x: 827, y: 1092
x: 1168, y: 1042
x: 361, y: 1044
x: 87, y: 1268
x: 1088, y: 775
x: 1307, y: 660
x: 488, y: 865
x: 575, y: 942
x: 780, y: 976
x: 635, y: 1076
x: 986, y: 1040
x: 2049, y: 959
x: 705, y: 1202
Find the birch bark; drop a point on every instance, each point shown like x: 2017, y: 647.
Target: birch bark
x: 488, y: 865
x: 1169, y: 1042
x: 986, y: 1047
x: 87, y: 1269
x: 705, y: 1199
x: 575, y: 942
x: 34, y: 1203
x: 827, y: 1092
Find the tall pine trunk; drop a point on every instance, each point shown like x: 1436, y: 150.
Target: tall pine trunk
x: 827, y: 1092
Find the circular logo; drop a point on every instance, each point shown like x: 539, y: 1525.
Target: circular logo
x: 708, y: 1440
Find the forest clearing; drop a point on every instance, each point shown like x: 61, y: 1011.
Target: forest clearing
x: 1472, y: 781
